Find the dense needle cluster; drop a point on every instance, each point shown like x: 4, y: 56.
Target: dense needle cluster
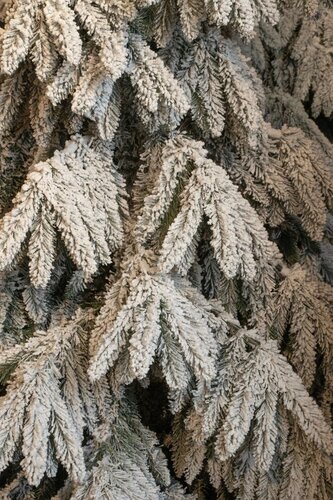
x: 166, y: 249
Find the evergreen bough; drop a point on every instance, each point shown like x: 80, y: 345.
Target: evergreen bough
x: 166, y: 254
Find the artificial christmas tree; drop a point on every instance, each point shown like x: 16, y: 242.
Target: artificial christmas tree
x: 165, y: 249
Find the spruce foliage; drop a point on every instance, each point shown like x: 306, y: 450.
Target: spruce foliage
x: 166, y: 258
